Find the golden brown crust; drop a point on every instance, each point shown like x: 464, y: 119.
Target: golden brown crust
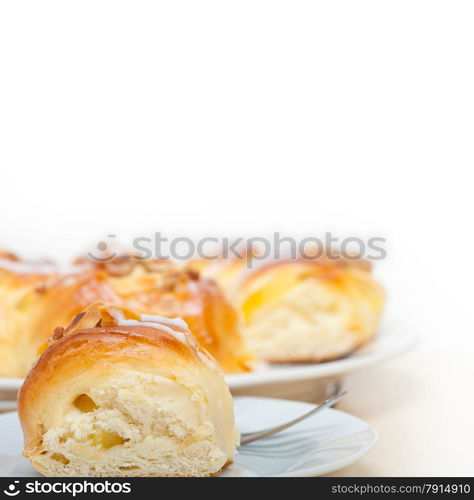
x: 147, y: 366
x: 160, y: 287
x: 111, y: 341
x: 66, y: 296
x: 33, y: 305
x: 234, y: 273
x: 323, y: 267
x: 124, y: 264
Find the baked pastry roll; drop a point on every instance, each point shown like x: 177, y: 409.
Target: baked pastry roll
x: 161, y: 287
x: 309, y: 310
x: 228, y: 273
x: 34, y: 299
x: 121, y: 394
x: 18, y: 284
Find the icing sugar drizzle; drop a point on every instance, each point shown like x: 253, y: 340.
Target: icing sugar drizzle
x: 165, y: 324
x: 154, y: 321
x: 155, y: 318
x: 20, y: 267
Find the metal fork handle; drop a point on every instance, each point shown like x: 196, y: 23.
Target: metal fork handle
x: 249, y: 437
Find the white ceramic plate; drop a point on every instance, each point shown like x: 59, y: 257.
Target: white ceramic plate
x: 321, y: 444
x: 391, y: 341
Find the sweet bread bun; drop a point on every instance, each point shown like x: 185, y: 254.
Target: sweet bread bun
x: 34, y: 299
x: 309, y: 310
x: 121, y: 394
x: 161, y: 287
x: 18, y: 284
x: 228, y: 272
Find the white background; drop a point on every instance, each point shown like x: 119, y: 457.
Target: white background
x: 247, y: 117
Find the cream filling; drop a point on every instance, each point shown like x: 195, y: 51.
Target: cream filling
x: 135, y: 420
x: 309, y: 322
